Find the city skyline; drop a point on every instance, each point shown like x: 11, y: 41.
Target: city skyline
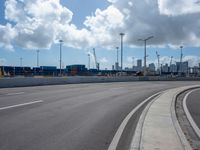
x: 82, y: 21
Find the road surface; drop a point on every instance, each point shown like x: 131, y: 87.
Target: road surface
x: 71, y: 117
x: 193, y: 105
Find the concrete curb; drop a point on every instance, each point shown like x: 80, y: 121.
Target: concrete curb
x: 135, y: 145
x: 189, y: 117
x: 117, y: 136
x: 142, y: 141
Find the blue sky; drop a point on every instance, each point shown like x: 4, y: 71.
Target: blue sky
x: 107, y: 56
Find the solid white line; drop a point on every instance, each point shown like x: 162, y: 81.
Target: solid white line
x: 118, y: 134
x: 189, y: 117
x: 19, y: 105
x: 10, y: 94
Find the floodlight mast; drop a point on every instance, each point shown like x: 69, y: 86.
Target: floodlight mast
x: 122, y: 36
x: 145, y: 53
x: 60, y: 41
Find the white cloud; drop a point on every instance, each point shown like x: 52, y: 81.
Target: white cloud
x: 39, y: 23
x: 7, y: 35
x: 178, y: 7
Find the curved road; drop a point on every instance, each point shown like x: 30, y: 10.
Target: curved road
x: 193, y: 105
x: 71, y: 117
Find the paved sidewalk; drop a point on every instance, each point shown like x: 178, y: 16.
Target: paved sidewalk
x: 160, y: 129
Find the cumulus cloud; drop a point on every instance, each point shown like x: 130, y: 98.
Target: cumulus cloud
x: 178, y: 7
x: 40, y: 23
x: 7, y: 35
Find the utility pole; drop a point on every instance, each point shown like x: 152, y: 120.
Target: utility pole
x: 121, y: 35
x: 145, y: 53
x: 158, y: 57
x: 60, y: 41
x: 38, y: 51
x: 181, y: 59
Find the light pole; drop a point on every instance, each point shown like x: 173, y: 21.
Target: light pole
x: 181, y: 59
x: 117, y: 48
x: 121, y: 35
x: 117, y: 63
x: 145, y: 52
x: 60, y: 41
x: 38, y: 51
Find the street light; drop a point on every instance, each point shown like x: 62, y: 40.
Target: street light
x: 117, y: 63
x: 121, y: 35
x: 145, y: 51
x: 60, y: 41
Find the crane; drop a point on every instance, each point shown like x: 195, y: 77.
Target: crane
x: 158, y: 57
x: 95, y: 59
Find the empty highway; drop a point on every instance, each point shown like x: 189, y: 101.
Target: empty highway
x: 72, y: 117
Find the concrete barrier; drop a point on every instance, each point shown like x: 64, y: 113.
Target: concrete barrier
x: 31, y: 81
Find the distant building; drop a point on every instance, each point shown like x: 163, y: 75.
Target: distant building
x: 139, y: 65
x: 182, y: 68
x: 173, y: 68
x: 152, y: 67
x: 113, y: 67
x: 185, y: 67
x: 117, y: 66
x: 165, y: 68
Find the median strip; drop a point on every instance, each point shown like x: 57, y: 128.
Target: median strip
x: 158, y: 127
x: 20, y: 105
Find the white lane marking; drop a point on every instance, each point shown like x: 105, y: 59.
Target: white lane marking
x: 19, y: 105
x: 189, y: 117
x: 10, y: 94
x: 118, y: 134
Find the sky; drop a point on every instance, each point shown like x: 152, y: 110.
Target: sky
x: 30, y: 25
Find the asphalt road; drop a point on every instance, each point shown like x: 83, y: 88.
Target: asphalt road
x: 193, y: 105
x: 71, y: 117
